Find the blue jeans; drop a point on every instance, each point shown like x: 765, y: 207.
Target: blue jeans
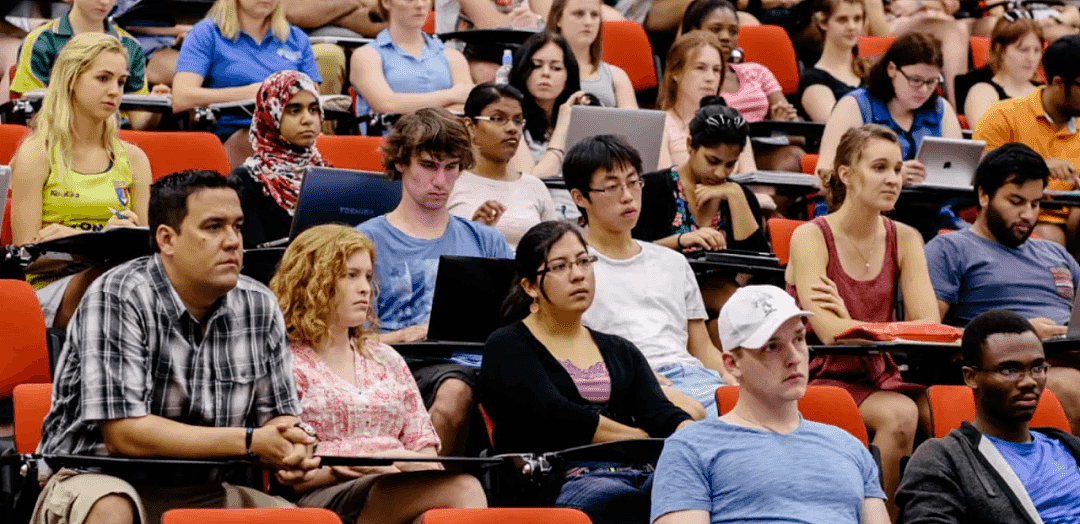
x: 609, y: 497
x: 697, y: 381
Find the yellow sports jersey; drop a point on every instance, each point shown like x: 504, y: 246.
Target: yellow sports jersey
x: 82, y: 201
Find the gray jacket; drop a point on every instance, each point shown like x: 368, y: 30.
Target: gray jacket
x: 963, y: 479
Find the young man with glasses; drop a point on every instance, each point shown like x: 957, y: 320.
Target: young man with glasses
x: 994, y: 264
x: 645, y: 293
x: 997, y: 469
x: 1046, y: 122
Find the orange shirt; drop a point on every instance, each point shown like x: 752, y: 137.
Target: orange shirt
x: 1024, y: 120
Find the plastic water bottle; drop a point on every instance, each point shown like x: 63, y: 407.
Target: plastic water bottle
x: 502, y: 76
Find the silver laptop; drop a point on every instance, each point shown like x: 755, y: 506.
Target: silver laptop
x: 642, y: 128
x: 950, y: 162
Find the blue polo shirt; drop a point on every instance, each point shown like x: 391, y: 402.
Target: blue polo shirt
x: 233, y: 63
x: 405, y: 73
x: 926, y: 122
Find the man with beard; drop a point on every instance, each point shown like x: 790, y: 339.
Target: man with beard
x: 994, y: 264
x: 996, y: 470
x: 1046, y: 121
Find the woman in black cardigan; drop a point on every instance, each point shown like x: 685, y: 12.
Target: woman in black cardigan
x: 549, y: 383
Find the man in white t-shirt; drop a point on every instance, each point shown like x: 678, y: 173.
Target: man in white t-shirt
x: 644, y: 292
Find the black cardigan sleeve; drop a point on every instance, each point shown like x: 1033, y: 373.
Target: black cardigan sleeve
x: 518, y: 392
x: 653, y: 412
x: 757, y: 241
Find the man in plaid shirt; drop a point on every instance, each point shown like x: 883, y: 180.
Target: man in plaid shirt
x: 174, y: 355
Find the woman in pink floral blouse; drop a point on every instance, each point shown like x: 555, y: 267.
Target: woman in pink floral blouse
x: 356, y: 392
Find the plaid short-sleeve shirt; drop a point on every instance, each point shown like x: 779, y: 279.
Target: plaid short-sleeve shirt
x: 133, y: 349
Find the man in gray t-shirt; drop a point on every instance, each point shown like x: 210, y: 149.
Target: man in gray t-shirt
x: 995, y: 265
x: 762, y: 461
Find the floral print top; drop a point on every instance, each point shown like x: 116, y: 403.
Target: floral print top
x: 382, y: 412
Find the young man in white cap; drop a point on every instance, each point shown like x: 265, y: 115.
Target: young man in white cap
x: 762, y: 461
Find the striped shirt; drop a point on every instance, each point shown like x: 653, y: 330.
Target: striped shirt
x: 133, y: 349
x: 42, y: 45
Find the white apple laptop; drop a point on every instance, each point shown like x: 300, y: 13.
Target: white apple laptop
x: 950, y: 162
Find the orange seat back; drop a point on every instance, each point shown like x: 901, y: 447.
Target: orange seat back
x: 504, y: 516
x: 25, y: 355
x: 825, y: 404
x: 874, y: 46
x: 770, y: 46
x: 489, y: 424
x: 429, y: 24
x: 963, y: 120
x: 31, y: 403
x: 626, y: 45
x: 807, y: 163
x: 980, y: 51
x: 251, y: 516
x: 172, y: 151
x: 780, y: 230
x: 11, y: 135
x: 352, y: 151
x: 952, y: 405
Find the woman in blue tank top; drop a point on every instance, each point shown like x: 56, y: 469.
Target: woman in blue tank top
x: 417, y: 70
x: 901, y: 94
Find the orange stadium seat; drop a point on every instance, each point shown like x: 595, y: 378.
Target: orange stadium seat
x: 874, y: 46
x: 770, y: 46
x: 25, y: 352
x: 780, y: 230
x: 626, y: 45
x: 824, y: 404
x: 352, y: 151
x: 251, y: 516
x: 951, y: 405
x: 11, y: 135
x: 31, y: 404
x: 504, y: 516
x: 807, y: 163
x: 429, y: 24
x: 172, y: 151
x: 980, y: 51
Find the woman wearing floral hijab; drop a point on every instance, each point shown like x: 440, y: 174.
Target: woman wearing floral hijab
x: 284, y: 127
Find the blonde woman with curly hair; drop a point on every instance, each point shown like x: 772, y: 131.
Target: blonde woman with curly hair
x: 356, y: 392
x: 73, y: 171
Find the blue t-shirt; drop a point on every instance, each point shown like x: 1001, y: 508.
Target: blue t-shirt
x: 1050, y: 474
x: 405, y: 73
x: 975, y: 275
x: 227, y: 63
x: 817, y: 474
x: 926, y: 121
x: 405, y: 266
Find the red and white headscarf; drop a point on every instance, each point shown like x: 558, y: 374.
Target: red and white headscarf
x: 278, y: 165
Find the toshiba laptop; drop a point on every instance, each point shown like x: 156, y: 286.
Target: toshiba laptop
x: 950, y: 162
x: 642, y: 128
x: 342, y: 196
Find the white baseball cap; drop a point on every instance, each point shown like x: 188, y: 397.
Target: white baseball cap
x: 753, y: 314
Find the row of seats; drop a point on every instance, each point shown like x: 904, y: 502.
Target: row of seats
x: 201, y: 150
x: 325, y: 516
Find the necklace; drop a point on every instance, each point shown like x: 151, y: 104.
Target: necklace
x: 854, y: 244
